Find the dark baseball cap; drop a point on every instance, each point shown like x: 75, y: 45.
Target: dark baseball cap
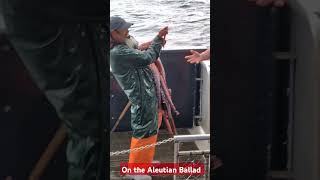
x: 117, y: 22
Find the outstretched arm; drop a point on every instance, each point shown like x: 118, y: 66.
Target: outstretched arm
x: 197, y: 57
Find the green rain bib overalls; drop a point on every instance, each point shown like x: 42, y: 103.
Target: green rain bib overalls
x: 130, y: 68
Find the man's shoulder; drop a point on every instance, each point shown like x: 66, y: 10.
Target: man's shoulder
x: 122, y: 50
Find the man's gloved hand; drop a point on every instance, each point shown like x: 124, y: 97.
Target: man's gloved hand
x: 276, y: 3
x: 162, y: 33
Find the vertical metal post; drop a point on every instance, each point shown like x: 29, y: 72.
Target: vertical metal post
x: 175, y: 158
x: 206, y: 167
x: 290, y: 131
x: 209, y: 161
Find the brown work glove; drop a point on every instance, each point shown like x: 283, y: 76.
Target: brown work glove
x: 162, y: 34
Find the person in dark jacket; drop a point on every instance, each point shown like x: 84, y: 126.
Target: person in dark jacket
x: 131, y: 69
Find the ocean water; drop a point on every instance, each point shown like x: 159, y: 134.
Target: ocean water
x: 188, y: 20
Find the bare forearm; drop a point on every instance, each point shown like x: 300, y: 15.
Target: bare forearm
x: 205, y: 55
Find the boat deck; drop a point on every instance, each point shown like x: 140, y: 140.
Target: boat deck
x: 164, y: 152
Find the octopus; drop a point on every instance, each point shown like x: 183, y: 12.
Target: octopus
x: 164, y: 95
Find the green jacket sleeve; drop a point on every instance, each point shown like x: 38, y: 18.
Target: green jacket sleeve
x: 139, y: 58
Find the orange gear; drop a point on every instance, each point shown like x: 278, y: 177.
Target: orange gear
x: 146, y: 155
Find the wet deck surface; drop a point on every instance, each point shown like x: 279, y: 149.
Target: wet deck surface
x: 164, y: 152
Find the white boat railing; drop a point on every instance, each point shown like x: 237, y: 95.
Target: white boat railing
x: 203, y: 154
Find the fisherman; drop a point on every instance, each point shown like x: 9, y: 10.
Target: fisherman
x: 130, y: 67
x: 165, y: 103
x: 62, y: 45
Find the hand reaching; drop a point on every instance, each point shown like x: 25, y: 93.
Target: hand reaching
x: 195, y: 57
